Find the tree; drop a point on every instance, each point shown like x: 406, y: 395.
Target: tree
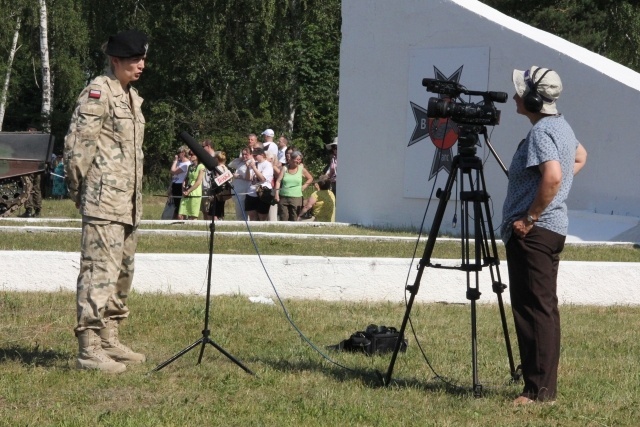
x: 47, y: 88
x: 12, y: 53
x: 70, y: 61
x: 216, y: 68
x: 608, y: 27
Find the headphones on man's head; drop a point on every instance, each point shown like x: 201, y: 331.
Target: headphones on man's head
x: 533, y: 101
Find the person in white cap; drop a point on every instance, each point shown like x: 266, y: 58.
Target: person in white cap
x: 535, y: 226
x: 332, y: 169
x: 268, y: 144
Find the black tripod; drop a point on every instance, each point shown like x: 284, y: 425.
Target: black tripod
x: 205, y: 331
x: 474, y: 207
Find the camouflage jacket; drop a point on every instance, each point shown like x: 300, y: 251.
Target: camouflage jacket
x: 103, y: 152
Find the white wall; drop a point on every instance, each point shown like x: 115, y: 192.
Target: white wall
x: 600, y: 101
x: 329, y: 279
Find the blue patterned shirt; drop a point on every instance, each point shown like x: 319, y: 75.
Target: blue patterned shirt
x: 551, y: 138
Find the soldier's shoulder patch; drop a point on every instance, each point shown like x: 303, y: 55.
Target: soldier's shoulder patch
x: 95, y: 93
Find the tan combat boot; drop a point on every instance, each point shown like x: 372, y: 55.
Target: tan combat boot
x: 91, y: 355
x: 114, y: 348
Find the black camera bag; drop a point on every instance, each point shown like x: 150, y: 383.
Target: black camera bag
x: 373, y: 340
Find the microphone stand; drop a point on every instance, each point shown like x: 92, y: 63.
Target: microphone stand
x: 206, y: 332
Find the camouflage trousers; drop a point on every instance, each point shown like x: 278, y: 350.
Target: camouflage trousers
x: 35, y: 197
x: 106, y: 272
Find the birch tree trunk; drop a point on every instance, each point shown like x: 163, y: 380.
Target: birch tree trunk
x: 293, y: 81
x: 292, y: 115
x: 5, y: 87
x: 47, y: 96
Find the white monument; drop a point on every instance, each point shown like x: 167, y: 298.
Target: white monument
x: 387, y: 156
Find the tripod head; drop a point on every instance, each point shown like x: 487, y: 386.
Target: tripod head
x: 468, y: 139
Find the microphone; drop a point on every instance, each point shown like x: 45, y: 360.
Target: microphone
x: 209, y: 162
x: 205, y: 158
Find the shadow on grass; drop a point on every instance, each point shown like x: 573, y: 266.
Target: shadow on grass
x: 33, y: 356
x: 370, y: 378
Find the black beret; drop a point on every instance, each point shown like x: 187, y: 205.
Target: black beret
x: 127, y: 44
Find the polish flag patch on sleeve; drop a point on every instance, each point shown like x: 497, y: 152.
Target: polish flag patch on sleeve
x: 95, y: 93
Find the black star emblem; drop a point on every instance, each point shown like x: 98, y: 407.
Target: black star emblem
x: 439, y: 130
x: 421, y: 131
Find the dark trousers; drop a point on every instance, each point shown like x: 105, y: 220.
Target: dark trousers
x: 219, y: 208
x: 289, y: 208
x: 176, y: 192
x: 533, y: 271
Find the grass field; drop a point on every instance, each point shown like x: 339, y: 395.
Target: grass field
x: 293, y: 383
x: 296, y: 383
x: 271, y: 245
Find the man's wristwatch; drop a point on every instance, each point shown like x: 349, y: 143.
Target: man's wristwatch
x: 530, y: 219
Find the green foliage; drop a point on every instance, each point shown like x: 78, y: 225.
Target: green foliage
x: 404, y: 246
x: 223, y: 69
x: 217, y: 69
x: 608, y: 27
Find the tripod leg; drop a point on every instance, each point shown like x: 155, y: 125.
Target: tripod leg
x: 515, y: 374
x: 477, y: 387
x: 229, y: 356
x: 493, y: 260
x: 444, y: 197
x: 472, y: 267
x: 178, y: 355
x: 387, y: 379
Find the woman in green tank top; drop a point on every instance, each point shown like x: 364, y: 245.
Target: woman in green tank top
x: 289, y: 187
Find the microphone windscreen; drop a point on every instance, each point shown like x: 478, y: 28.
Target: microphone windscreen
x: 205, y: 158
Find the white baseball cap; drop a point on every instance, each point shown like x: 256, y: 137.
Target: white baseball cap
x: 268, y: 132
x: 335, y: 142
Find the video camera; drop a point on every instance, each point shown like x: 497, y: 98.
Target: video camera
x: 483, y: 114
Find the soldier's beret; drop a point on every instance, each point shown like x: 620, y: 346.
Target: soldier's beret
x: 127, y: 44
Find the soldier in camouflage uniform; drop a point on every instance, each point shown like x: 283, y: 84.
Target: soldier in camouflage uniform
x: 103, y: 171
x: 33, y: 206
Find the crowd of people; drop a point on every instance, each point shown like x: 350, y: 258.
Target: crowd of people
x: 269, y: 181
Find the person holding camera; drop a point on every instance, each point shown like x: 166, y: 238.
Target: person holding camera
x: 260, y: 174
x: 178, y: 170
x: 534, y: 227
